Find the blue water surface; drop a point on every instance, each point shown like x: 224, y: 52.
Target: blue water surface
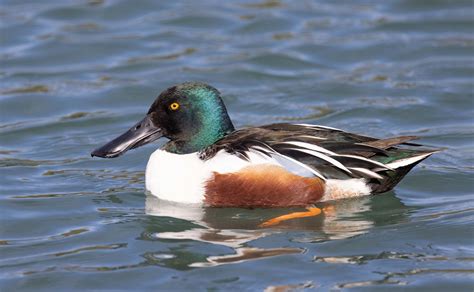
x: 74, y: 74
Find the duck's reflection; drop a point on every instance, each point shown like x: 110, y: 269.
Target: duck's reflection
x: 235, y: 228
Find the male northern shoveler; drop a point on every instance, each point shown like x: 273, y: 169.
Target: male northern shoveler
x: 208, y: 162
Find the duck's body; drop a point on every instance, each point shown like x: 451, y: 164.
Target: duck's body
x: 278, y: 166
x: 208, y: 162
x: 228, y: 181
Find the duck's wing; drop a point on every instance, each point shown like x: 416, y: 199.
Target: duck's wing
x: 326, y: 152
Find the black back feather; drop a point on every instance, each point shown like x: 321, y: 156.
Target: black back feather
x: 351, y: 150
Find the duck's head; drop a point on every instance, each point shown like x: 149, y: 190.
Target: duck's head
x: 191, y: 115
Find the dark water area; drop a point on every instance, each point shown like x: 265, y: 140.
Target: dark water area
x: 74, y: 74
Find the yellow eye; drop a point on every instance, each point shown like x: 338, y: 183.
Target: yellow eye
x: 174, y: 106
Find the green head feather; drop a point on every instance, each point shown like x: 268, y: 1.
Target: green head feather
x: 200, y: 121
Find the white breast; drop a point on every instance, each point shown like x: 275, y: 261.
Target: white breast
x: 182, y: 177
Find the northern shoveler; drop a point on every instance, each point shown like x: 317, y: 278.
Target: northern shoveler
x: 208, y: 162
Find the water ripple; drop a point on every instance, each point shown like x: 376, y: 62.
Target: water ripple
x: 74, y: 75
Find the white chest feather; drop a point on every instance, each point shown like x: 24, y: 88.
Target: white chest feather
x: 176, y: 177
x: 182, y: 177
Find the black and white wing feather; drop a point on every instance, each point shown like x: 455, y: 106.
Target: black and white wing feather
x: 326, y: 152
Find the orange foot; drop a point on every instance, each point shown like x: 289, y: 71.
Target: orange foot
x: 312, y: 211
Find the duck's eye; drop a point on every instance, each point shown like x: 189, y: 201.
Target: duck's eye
x: 174, y: 106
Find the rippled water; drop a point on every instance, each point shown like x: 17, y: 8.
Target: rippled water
x: 76, y: 73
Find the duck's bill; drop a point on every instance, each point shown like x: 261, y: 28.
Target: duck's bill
x: 140, y: 134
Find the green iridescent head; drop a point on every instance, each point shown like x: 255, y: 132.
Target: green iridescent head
x: 192, y: 115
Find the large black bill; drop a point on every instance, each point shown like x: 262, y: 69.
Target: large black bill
x: 142, y: 133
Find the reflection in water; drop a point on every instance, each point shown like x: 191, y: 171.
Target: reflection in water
x: 205, y: 218
x: 244, y: 254
x: 338, y: 223
x: 235, y: 228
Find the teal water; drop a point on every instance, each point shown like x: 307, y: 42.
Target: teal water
x: 74, y: 74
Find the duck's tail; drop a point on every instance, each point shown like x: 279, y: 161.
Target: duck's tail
x: 400, y: 162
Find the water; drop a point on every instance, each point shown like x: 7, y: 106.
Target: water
x: 76, y: 73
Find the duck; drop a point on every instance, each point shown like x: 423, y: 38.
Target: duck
x: 207, y: 162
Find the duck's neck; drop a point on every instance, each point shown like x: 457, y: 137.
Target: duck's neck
x: 213, y: 129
